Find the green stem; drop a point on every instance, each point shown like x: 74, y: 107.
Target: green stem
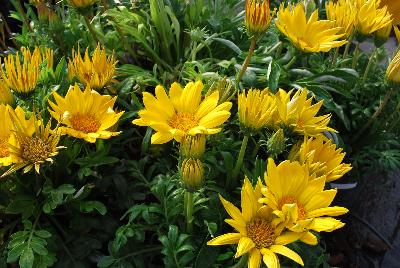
x: 291, y: 62
x: 356, y: 54
x: 346, y: 51
x: 335, y: 57
x: 248, y: 58
x: 33, y: 227
x: 140, y: 252
x: 22, y: 11
x: 239, y: 161
x: 189, y: 211
x: 91, y: 30
x: 371, y: 58
x: 194, y: 51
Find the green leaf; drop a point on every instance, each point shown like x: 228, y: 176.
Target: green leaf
x: 27, y: 258
x: 15, y: 252
x: 229, y: 44
x: 90, y: 206
x: 43, y: 233
x: 106, y: 261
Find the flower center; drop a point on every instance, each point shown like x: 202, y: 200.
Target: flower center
x: 261, y: 232
x: 4, y: 148
x: 35, y: 150
x: 302, y: 213
x: 184, y: 121
x: 85, y: 122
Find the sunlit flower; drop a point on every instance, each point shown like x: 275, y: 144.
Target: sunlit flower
x: 371, y: 17
x: 22, y: 77
x: 255, y: 110
x: 321, y: 157
x: 192, y: 174
x: 393, y: 70
x: 393, y: 7
x: 258, y: 16
x: 297, y: 112
x: 96, y: 71
x: 82, y: 3
x: 6, y: 96
x: 31, y: 145
x: 86, y: 114
x: 343, y: 13
x: 310, y: 35
x: 256, y: 233
x: 298, y: 202
x: 182, y: 113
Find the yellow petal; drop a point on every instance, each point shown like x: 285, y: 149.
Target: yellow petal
x: 233, y: 211
x: 287, y: 253
x: 255, y: 259
x: 321, y: 200
x: 225, y: 239
x: 328, y: 211
x: 161, y: 137
x: 270, y: 259
x: 245, y: 245
x: 309, y: 239
x: 326, y: 224
x: 208, y: 104
x: 287, y: 238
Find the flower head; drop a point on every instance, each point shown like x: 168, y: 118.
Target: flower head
x: 192, y: 174
x: 86, y: 114
x: 393, y: 8
x: 81, y: 4
x: 256, y: 233
x: 393, y: 71
x: 31, y: 144
x: 371, y: 17
x: 256, y: 109
x: 96, y: 71
x: 310, y: 35
x: 6, y: 96
x: 343, y: 13
x: 258, y: 16
x: 297, y: 112
x: 182, y: 113
x: 321, y: 157
x: 298, y: 202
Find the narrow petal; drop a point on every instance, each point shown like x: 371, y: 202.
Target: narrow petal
x: 287, y: 238
x: 225, y: 239
x: 270, y: 259
x: 245, y: 245
x: 161, y: 137
x: 233, y: 211
x: 282, y: 250
x: 255, y: 259
x: 326, y: 224
x: 309, y: 238
x: 329, y: 211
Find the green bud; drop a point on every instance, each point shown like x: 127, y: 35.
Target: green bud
x: 276, y: 144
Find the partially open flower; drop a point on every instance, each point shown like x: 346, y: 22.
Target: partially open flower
x: 192, y: 174
x: 258, y: 16
x: 343, y: 13
x: 393, y: 7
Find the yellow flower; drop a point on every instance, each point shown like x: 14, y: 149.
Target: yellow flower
x: 397, y: 32
x: 321, y: 157
x: 298, y: 113
x: 393, y: 71
x: 82, y: 3
x: 22, y: 77
x: 96, y: 71
x: 310, y: 35
x: 182, y: 113
x: 256, y: 109
x: 256, y: 234
x: 298, y: 202
x: 371, y: 18
x: 192, y: 174
x: 258, y: 17
x: 193, y: 146
x: 86, y: 115
x: 382, y: 35
x: 343, y: 14
x: 31, y: 143
x: 6, y: 97
x: 393, y: 7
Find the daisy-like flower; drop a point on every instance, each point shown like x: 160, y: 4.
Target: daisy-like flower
x: 297, y: 112
x: 343, y: 13
x: 96, y: 71
x: 86, y: 114
x: 310, y: 35
x: 258, y: 16
x: 300, y: 203
x: 255, y: 232
x: 81, y: 4
x: 256, y: 110
x: 6, y: 96
x: 182, y: 113
x: 371, y: 17
x: 31, y: 146
x: 321, y: 157
x: 393, y: 8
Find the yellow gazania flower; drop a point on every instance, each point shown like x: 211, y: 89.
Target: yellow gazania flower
x: 393, y: 7
x: 393, y: 71
x: 310, y: 35
x: 258, y: 17
x: 87, y: 115
x: 6, y: 96
x: 371, y: 18
x: 30, y: 147
x: 343, y: 14
x: 182, y: 113
x: 321, y: 157
x: 82, y: 3
x: 300, y: 203
x: 255, y: 110
x: 298, y: 113
x: 256, y: 234
x: 96, y: 71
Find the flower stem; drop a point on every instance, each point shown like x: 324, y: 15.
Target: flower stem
x: 356, y: 54
x: 346, y: 52
x: 371, y: 58
x: 91, y: 30
x: 189, y: 211
x: 335, y: 57
x: 248, y: 58
x: 239, y: 161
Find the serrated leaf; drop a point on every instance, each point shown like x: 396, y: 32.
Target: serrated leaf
x: 27, y: 258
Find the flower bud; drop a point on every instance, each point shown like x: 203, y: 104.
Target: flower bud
x: 193, y: 146
x: 393, y: 71
x: 192, y: 174
x: 258, y: 16
x: 382, y: 35
x: 83, y: 6
x: 276, y: 143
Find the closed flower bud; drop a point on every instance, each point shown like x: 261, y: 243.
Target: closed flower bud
x: 393, y: 71
x: 258, y: 16
x: 192, y: 174
x: 276, y: 144
x: 193, y: 146
x: 82, y: 6
x: 382, y: 35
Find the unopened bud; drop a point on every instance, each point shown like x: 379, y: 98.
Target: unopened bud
x: 193, y: 146
x: 192, y: 174
x: 276, y: 144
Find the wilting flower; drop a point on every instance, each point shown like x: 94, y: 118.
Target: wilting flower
x: 182, y: 113
x: 256, y: 109
x: 256, y: 234
x: 258, y: 16
x: 86, y: 115
x: 321, y: 157
x: 393, y: 8
x: 310, y: 35
x: 300, y: 203
x: 193, y: 146
x: 298, y: 113
x: 192, y: 174
x: 22, y: 77
x: 393, y: 70
x: 96, y: 71
x: 6, y: 96
x: 343, y: 13
x: 371, y: 18
x: 32, y: 146
x: 80, y: 4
